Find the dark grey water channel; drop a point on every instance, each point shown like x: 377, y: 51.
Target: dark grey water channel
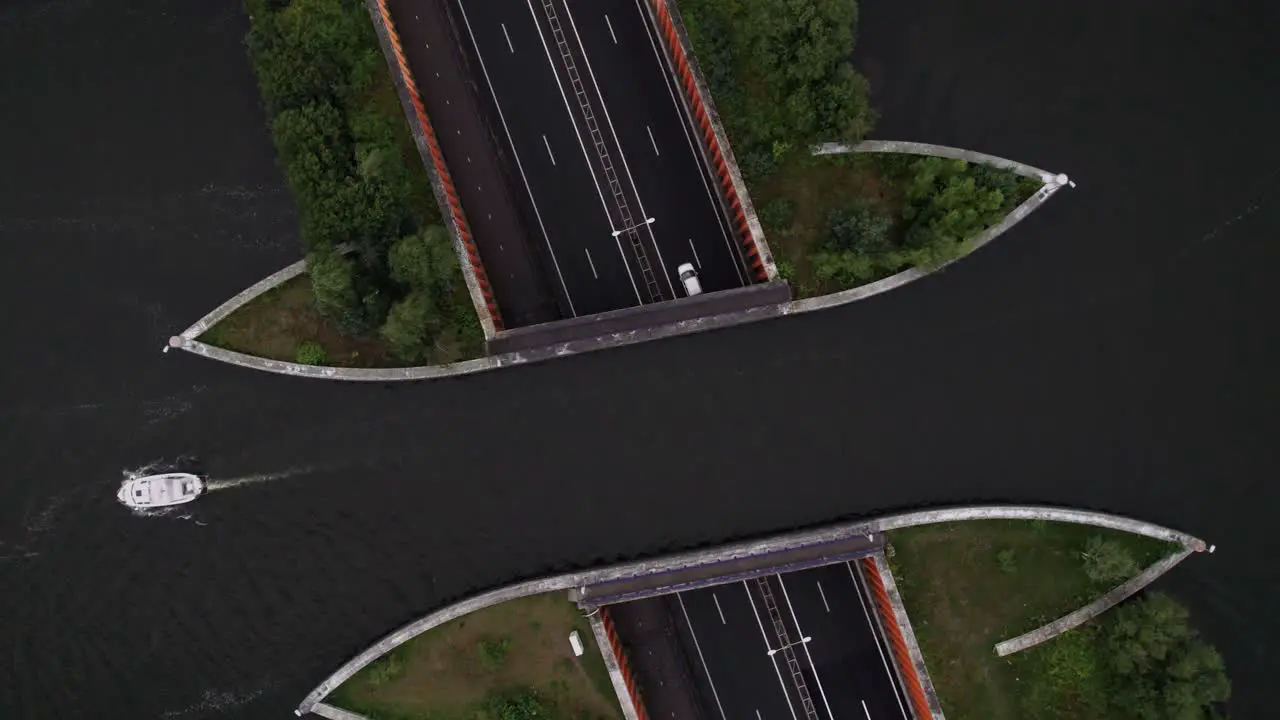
x: 1114, y: 352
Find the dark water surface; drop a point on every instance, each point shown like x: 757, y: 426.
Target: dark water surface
x: 1113, y: 352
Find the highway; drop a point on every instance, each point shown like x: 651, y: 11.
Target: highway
x: 607, y: 159
x: 826, y: 627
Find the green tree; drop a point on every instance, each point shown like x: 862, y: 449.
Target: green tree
x: 313, y: 51
x: 333, y: 282
x: 411, y: 327
x: 425, y: 261
x: 857, y: 228
x: 1107, y: 561
x: 313, y: 149
x: 1162, y: 668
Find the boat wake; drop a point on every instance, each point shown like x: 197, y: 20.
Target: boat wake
x: 211, y: 484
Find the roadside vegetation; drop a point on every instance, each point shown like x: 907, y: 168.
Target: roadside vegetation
x: 780, y: 75
x: 355, y: 174
x: 970, y: 585
x: 508, y: 662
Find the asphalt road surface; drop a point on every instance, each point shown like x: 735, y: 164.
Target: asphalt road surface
x: 587, y: 107
x: 522, y: 272
x: 743, y: 658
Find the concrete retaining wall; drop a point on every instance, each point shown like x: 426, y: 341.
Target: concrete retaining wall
x: 728, y: 552
x: 1078, y: 617
x: 698, y: 104
x: 615, y: 661
x: 895, y: 628
x: 482, y: 297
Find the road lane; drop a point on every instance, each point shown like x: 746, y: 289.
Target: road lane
x: 651, y: 124
x: 556, y: 177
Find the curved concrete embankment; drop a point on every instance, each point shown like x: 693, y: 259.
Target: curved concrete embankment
x: 737, y: 550
x: 1108, y: 600
x: 187, y: 340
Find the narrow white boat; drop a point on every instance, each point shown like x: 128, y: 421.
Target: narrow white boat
x: 160, y: 490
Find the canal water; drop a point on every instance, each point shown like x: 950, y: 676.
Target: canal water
x: 1114, y: 351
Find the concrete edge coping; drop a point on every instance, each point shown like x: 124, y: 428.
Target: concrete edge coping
x: 334, y: 712
x: 1084, y: 614
x: 187, y: 339
x: 612, y: 664
x: 437, y: 183
x: 244, y: 297
x: 567, y: 581
x: 945, y: 151
x: 908, y: 635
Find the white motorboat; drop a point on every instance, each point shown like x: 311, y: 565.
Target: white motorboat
x: 160, y: 490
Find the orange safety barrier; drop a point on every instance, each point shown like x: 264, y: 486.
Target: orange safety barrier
x: 618, y: 653
x: 668, y: 30
x: 915, y: 692
x: 442, y: 171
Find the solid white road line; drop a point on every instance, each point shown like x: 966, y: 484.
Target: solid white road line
x: 796, y: 618
x: 865, y: 711
x: 548, y: 144
x: 635, y: 287
x: 701, y: 658
x: 717, y: 601
x: 516, y: 154
x: 823, y: 596
x: 622, y: 155
x: 606, y: 22
x: 508, y: 36
x: 667, y: 72
x: 857, y: 588
x: 655, y: 142
x: 772, y: 658
x: 758, y: 715
x: 695, y: 254
x: 591, y: 263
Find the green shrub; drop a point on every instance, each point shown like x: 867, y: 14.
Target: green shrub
x: 777, y: 214
x: 522, y: 704
x: 1007, y: 559
x: 311, y: 353
x: 411, y: 327
x: 493, y: 652
x: 333, y: 282
x: 857, y: 228
x: 1107, y: 561
x: 854, y: 248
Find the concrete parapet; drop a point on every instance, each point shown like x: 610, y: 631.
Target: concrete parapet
x: 944, y: 151
x: 242, y: 298
x: 1078, y: 617
x: 473, y: 273
x: 911, y: 668
x: 326, y: 710
x: 698, y: 103
x: 615, y: 661
x: 732, y: 551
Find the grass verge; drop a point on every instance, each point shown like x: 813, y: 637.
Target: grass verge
x: 508, y: 662
x: 970, y: 585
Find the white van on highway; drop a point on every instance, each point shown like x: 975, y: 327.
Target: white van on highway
x: 689, y: 276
